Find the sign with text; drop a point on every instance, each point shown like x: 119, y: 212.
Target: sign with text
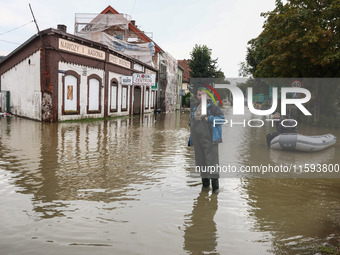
x: 296, y: 84
x: 149, y: 71
x: 142, y: 79
x: 154, y: 87
x: 119, y: 61
x: 126, y: 80
x: 80, y: 49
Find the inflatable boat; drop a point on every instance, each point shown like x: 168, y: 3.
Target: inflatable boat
x: 300, y: 142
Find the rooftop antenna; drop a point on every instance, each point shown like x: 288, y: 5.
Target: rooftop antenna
x: 35, y: 21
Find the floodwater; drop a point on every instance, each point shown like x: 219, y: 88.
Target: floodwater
x: 126, y: 186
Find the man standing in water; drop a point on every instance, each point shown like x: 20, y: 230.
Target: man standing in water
x: 205, y: 137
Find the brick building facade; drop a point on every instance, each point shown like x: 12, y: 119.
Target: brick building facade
x: 56, y: 76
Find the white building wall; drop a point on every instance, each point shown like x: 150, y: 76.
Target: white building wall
x: 84, y: 72
x: 119, y: 102
x: 119, y: 111
x: 23, y: 82
x: 147, y: 108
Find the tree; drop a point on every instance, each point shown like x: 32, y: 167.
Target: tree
x: 202, y: 65
x: 186, y: 99
x: 299, y: 39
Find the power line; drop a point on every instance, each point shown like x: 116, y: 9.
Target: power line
x: 133, y: 7
x: 16, y: 28
x: 8, y: 41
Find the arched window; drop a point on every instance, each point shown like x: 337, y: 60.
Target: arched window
x: 94, y: 94
x: 71, y: 93
x: 124, y: 98
x: 114, y: 96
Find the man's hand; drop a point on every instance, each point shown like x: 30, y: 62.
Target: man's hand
x: 204, y: 117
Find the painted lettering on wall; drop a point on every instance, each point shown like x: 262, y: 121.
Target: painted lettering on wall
x: 119, y: 61
x: 81, y: 49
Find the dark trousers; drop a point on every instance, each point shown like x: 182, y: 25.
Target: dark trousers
x: 206, y: 153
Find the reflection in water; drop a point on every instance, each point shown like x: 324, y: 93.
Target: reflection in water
x: 245, y: 146
x: 82, y: 183
x: 200, y: 235
x: 124, y: 186
x: 298, y: 158
x: 301, y: 214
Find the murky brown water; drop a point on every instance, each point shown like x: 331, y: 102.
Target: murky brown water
x: 125, y: 187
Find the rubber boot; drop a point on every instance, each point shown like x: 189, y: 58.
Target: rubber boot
x: 215, y: 185
x: 206, y: 182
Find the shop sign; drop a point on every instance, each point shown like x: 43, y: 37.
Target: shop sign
x: 142, y: 79
x: 126, y: 80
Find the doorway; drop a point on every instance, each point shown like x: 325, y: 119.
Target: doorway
x: 137, y: 101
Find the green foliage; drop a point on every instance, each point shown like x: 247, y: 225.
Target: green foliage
x: 299, y: 39
x: 186, y: 99
x: 202, y: 65
x: 223, y: 93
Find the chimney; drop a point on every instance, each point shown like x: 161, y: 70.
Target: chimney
x: 62, y: 27
x: 133, y: 22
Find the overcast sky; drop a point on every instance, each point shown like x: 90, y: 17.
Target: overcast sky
x: 225, y: 26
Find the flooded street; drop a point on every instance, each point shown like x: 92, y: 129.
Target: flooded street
x: 126, y: 186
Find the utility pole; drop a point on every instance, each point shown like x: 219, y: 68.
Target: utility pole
x: 35, y: 21
x: 45, y: 86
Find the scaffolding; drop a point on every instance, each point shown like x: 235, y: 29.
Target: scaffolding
x: 112, y: 30
x: 90, y: 22
x: 170, y: 66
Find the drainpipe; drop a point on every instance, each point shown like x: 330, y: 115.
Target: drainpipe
x: 106, y: 85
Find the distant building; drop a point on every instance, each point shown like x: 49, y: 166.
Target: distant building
x: 179, y: 86
x: 124, y: 35
x: 58, y: 76
x: 169, y: 84
x: 186, y: 74
x: 130, y: 33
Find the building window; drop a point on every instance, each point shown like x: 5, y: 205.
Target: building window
x: 152, y: 99
x: 124, y: 98
x: 94, y: 94
x: 114, y: 96
x: 119, y: 36
x: 71, y: 93
x: 147, y: 95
